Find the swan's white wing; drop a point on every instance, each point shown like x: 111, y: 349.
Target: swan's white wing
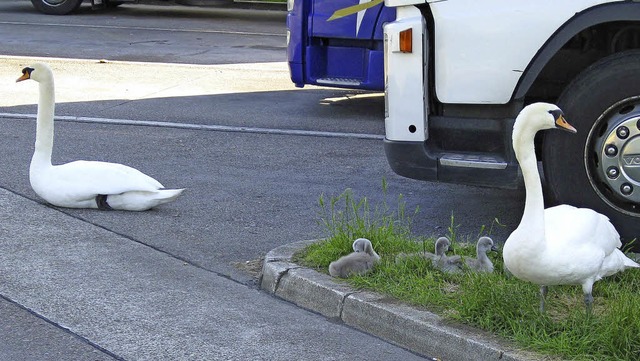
x: 86, y: 179
x: 577, y: 227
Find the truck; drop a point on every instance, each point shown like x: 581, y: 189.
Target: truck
x: 337, y: 43
x: 457, y: 73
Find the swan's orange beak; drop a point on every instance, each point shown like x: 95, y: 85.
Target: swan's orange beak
x: 24, y: 76
x: 562, y: 124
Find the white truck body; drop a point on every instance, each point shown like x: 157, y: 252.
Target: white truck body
x: 482, y: 51
x: 452, y: 97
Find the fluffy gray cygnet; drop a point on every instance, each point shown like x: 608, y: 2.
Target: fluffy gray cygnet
x: 442, y: 246
x: 439, y: 260
x: 481, y: 263
x: 456, y: 264
x: 360, y: 261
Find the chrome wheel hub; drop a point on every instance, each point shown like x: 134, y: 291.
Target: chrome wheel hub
x: 612, y: 156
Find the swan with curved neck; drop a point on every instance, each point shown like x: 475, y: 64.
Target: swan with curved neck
x: 561, y: 245
x: 84, y: 184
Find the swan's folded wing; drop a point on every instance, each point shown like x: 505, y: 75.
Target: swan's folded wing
x: 90, y: 178
x: 580, y: 226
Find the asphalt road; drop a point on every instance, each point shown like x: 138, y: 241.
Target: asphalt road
x: 201, y: 99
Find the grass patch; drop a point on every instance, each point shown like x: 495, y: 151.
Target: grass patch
x: 493, y: 302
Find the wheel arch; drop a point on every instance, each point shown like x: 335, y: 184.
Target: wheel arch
x: 591, y: 18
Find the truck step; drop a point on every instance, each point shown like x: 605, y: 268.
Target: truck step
x: 338, y: 81
x: 483, y: 161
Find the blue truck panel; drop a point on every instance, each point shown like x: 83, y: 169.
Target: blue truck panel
x: 344, y: 51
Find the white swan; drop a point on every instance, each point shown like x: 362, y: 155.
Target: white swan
x: 562, y: 245
x: 84, y: 184
x: 360, y: 261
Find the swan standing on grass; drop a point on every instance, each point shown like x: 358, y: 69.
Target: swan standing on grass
x: 84, y: 184
x: 562, y: 245
x: 360, y: 261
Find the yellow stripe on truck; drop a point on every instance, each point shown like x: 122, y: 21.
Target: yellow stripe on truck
x: 353, y: 9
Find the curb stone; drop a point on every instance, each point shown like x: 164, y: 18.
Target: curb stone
x: 417, y: 330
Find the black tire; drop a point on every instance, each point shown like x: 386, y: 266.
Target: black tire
x: 56, y: 7
x: 579, y: 169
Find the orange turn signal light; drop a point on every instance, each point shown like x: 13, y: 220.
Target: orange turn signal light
x: 406, y: 40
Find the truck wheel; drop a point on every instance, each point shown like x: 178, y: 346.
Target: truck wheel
x: 599, y: 167
x: 56, y: 7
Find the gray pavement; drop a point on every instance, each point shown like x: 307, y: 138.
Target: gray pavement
x: 26, y: 336
x: 175, y: 34
x: 111, y: 297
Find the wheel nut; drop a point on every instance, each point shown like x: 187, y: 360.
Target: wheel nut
x: 622, y: 132
x: 626, y: 189
x: 613, y: 172
x: 611, y: 150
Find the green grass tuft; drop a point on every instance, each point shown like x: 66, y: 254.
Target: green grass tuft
x: 493, y: 302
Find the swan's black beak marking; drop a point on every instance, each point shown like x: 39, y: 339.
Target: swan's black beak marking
x: 26, y: 74
x: 561, y: 122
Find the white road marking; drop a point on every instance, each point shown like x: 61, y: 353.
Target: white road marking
x: 142, y: 28
x: 215, y: 128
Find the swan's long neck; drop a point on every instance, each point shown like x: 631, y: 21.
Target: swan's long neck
x: 44, y: 126
x: 533, y: 216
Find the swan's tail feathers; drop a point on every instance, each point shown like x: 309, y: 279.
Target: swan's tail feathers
x: 142, y: 200
x: 628, y: 262
x: 616, y: 262
x: 163, y: 196
x: 168, y: 195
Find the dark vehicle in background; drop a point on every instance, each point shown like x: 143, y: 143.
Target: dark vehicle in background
x: 64, y: 7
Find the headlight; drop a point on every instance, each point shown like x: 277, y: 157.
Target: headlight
x: 290, y: 5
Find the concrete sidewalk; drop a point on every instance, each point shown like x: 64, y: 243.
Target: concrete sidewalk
x: 420, y: 331
x: 72, y: 290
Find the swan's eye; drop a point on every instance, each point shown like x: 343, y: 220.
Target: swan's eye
x: 556, y: 113
x: 27, y: 70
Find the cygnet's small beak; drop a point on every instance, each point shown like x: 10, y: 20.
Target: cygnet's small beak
x: 494, y: 249
x: 562, y: 124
